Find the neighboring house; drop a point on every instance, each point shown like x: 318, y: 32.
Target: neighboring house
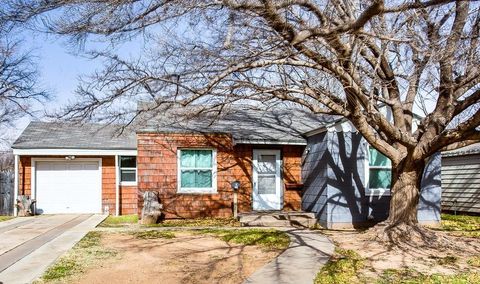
x: 284, y: 159
x: 461, y: 179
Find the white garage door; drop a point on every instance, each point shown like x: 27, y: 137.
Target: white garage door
x: 68, y: 187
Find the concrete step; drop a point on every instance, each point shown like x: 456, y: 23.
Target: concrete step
x: 280, y: 219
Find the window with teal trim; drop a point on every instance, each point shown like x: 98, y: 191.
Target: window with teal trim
x: 196, y: 170
x: 380, y: 170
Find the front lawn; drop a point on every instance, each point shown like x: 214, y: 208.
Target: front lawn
x: 132, y: 220
x: 360, y: 259
x: 462, y: 225
x: 347, y: 266
x: 147, y: 255
x: 119, y: 221
x: 5, y: 218
x: 265, y: 238
x: 88, y: 252
x: 200, y: 222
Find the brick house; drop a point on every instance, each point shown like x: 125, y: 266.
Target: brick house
x: 284, y: 159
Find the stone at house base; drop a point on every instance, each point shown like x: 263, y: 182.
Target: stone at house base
x: 151, y: 211
x: 278, y: 219
x: 25, y: 206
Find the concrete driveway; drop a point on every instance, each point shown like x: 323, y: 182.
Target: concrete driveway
x: 28, y: 245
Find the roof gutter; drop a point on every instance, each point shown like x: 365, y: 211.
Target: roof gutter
x: 324, y: 127
x: 268, y: 142
x: 460, y: 153
x: 74, y: 152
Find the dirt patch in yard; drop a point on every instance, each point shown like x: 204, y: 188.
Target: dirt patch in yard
x: 425, y: 260
x: 359, y: 259
x: 184, y: 258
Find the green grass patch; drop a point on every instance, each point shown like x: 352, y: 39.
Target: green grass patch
x: 203, y: 222
x: 266, y: 238
x: 463, y: 225
x: 447, y: 260
x: 409, y: 276
x: 343, y: 268
x: 86, y: 253
x: 152, y: 234
x: 119, y: 221
x: 5, y: 218
x: 474, y: 261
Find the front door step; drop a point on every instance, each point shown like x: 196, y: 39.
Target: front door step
x: 278, y: 219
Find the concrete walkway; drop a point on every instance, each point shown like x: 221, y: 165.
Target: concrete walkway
x: 299, y: 263
x: 29, y: 245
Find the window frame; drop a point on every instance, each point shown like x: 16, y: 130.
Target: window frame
x: 120, y: 168
x: 197, y: 190
x: 374, y: 191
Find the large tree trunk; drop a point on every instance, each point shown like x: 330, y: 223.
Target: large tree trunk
x: 405, y: 193
x: 402, y: 223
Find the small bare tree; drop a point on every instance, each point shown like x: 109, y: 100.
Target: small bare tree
x: 371, y: 62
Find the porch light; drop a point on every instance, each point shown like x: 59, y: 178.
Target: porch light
x: 235, y: 185
x: 69, y: 158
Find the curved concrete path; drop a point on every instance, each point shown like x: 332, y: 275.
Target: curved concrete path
x: 299, y: 263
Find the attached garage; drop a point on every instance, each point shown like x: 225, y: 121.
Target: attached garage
x: 68, y: 186
x: 461, y: 180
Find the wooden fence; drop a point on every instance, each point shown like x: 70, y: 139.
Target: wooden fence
x: 6, y: 192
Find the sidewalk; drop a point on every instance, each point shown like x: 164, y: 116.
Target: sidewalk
x: 299, y: 263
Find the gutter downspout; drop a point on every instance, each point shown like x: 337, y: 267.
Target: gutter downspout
x: 15, y: 185
x: 117, y: 187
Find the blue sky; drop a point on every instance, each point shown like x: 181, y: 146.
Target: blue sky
x: 60, y: 68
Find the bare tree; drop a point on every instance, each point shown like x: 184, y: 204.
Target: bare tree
x: 6, y: 161
x: 371, y: 62
x: 18, y: 81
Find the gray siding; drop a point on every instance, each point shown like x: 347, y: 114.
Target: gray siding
x: 461, y: 183
x: 347, y: 202
x: 431, y: 194
x: 334, y: 183
x: 314, y: 177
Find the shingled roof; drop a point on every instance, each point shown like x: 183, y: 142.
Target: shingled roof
x: 63, y: 135
x: 277, y: 125
x: 467, y: 150
x: 246, y: 124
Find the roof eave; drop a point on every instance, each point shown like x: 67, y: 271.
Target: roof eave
x: 324, y: 127
x: 269, y: 142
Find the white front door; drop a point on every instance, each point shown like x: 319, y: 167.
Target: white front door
x: 68, y: 187
x: 267, y: 189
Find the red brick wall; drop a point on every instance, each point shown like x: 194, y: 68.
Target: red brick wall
x: 292, y: 161
x: 128, y: 200
x: 128, y: 194
x: 25, y: 174
x: 157, y: 171
x: 108, y: 183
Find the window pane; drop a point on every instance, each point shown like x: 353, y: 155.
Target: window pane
x: 187, y: 179
x: 196, y: 158
x: 380, y: 178
x: 187, y: 158
x: 378, y: 159
x: 266, y: 164
x: 203, y: 158
x: 128, y: 162
x: 127, y: 175
x: 203, y: 179
x: 266, y: 185
x: 196, y: 179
